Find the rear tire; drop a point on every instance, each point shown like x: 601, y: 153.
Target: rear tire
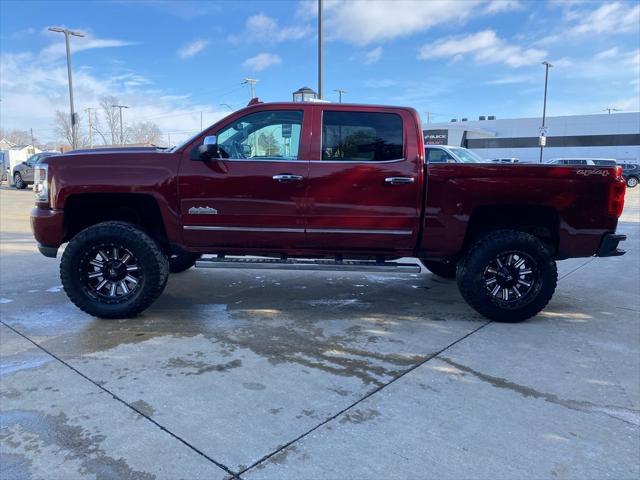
x: 113, y: 270
x: 507, y: 276
x: 441, y: 269
x: 183, y: 261
x: 632, y: 182
x: 18, y: 182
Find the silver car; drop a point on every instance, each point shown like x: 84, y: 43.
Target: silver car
x: 23, y: 173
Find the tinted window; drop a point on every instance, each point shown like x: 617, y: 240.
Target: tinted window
x: 263, y: 136
x: 605, y: 163
x: 435, y: 155
x: 361, y: 136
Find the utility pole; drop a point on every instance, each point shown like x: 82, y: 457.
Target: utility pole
x: 251, y: 82
x: 90, y: 126
x: 428, y: 116
x: 121, y: 133
x: 340, y: 92
x: 74, y: 129
x: 320, y: 89
x: 33, y: 142
x: 547, y: 65
x: 612, y: 109
x: 169, y: 137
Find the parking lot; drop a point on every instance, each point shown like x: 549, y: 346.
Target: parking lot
x: 318, y: 375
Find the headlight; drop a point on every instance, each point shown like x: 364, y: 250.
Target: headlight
x: 41, y: 183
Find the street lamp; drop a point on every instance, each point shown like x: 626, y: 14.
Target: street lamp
x: 74, y: 120
x: 305, y: 94
x: 120, y: 107
x: 543, y: 130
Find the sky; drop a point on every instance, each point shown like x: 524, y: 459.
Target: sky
x: 170, y: 60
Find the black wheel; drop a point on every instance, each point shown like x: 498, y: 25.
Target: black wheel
x: 632, y: 182
x: 113, y: 270
x: 507, y: 276
x: 18, y: 182
x: 182, y: 261
x: 441, y: 269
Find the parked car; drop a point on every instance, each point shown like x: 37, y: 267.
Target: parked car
x: 505, y: 160
x: 599, y: 162
x: 23, y: 173
x: 263, y: 182
x: 631, y: 173
x: 450, y: 154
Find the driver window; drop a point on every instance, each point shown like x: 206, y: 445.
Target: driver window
x: 267, y: 135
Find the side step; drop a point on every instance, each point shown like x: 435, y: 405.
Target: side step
x: 307, y: 264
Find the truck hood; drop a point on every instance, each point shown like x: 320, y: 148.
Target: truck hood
x: 111, y: 150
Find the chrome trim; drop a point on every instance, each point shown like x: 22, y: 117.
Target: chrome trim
x: 288, y: 177
x: 278, y: 160
x: 366, y: 162
x: 203, y: 211
x: 359, y: 231
x: 298, y: 230
x: 399, y: 180
x: 244, y: 229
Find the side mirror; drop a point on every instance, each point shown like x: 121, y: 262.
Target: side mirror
x: 209, y: 148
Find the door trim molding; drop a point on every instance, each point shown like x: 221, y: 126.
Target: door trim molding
x: 338, y: 231
x: 244, y: 229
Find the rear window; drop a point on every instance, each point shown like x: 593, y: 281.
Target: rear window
x: 362, y: 136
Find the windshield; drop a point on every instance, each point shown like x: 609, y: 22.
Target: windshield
x: 467, y: 156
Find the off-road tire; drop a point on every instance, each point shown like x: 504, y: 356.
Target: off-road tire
x: 18, y: 182
x: 151, y: 259
x: 182, y: 261
x: 441, y: 269
x: 632, y: 182
x: 473, y: 266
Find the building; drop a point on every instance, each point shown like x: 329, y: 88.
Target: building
x: 614, y: 135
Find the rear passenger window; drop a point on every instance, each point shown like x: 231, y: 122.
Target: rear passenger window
x: 361, y: 136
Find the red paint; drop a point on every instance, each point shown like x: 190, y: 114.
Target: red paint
x: 331, y: 195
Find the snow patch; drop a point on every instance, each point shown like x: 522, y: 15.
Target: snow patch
x: 55, y: 289
x: 5, y: 300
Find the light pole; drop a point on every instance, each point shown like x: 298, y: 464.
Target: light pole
x: 543, y: 132
x: 340, y: 92
x: 121, y: 134
x: 251, y: 82
x: 320, y: 90
x: 67, y: 32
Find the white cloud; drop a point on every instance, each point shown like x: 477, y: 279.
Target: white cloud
x: 261, y: 28
x: 262, y: 61
x: 610, y: 53
x: 616, y: 17
x: 511, y: 80
x: 57, y: 48
x: 483, y: 47
x: 498, y: 6
x: 373, y: 56
x: 191, y: 49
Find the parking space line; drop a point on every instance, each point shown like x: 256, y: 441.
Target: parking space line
x: 116, y: 397
x: 577, y: 268
x: 373, y: 392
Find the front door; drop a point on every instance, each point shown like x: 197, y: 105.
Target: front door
x: 253, y: 197
x: 364, y: 181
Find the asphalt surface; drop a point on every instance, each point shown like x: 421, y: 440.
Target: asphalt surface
x: 300, y: 375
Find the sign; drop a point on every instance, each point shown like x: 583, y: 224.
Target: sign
x: 543, y: 130
x: 436, y: 137
x: 543, y: 140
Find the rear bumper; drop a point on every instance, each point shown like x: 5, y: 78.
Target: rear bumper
x: 48, y: 229
x: 609, y: 245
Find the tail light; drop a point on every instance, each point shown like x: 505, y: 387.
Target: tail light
x: 617, y: 190
x: 41, y: 183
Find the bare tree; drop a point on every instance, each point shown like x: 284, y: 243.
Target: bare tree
x: 62, y: 129
x: 144, y: 132
x: 19, y: 137
x: 111, y: 119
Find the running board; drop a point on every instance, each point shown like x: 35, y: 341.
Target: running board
x: 307, y: 264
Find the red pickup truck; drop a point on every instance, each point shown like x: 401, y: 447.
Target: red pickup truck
x: 319, y: 186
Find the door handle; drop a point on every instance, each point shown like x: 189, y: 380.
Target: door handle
x: 399, y: 180
x: 287, y: 177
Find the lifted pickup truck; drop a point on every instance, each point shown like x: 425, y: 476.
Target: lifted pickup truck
x: 317, y: 186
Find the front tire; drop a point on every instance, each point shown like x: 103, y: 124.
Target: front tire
x: 507, y: 276
x: 182, y: 261
x: 113, y: 270
x: 441, y: 269
x: 18, y: 182
x: 632, y: 182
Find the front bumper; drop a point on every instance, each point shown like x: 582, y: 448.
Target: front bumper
x: 48, y: 229
x: 609, y: 245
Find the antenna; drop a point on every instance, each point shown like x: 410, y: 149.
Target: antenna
x: 251, y: 82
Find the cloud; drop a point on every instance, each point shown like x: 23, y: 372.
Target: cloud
x: 261, y: 28
x: 610, y: 53
x: 262, y: 61
x: 483, y: 47
x: 609, y: 18
x: 191, y: 49
x: 511, y: 80
x: 57, y: 49
x: 373, y: 56
x: 362, y: 22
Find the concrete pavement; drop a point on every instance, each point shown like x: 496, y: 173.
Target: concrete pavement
x: 318, y: 375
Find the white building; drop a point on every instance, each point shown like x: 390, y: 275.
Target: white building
x: 593, y: 136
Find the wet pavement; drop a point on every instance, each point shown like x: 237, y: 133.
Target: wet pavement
x: 302, y: 375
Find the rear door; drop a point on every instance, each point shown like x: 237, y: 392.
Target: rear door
x: 253, y: 197
x: 364, y: 180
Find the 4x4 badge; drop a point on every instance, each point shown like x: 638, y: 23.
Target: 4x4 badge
x: 202, y: 211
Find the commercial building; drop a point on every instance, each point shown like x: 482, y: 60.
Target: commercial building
x: 615, y: 135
